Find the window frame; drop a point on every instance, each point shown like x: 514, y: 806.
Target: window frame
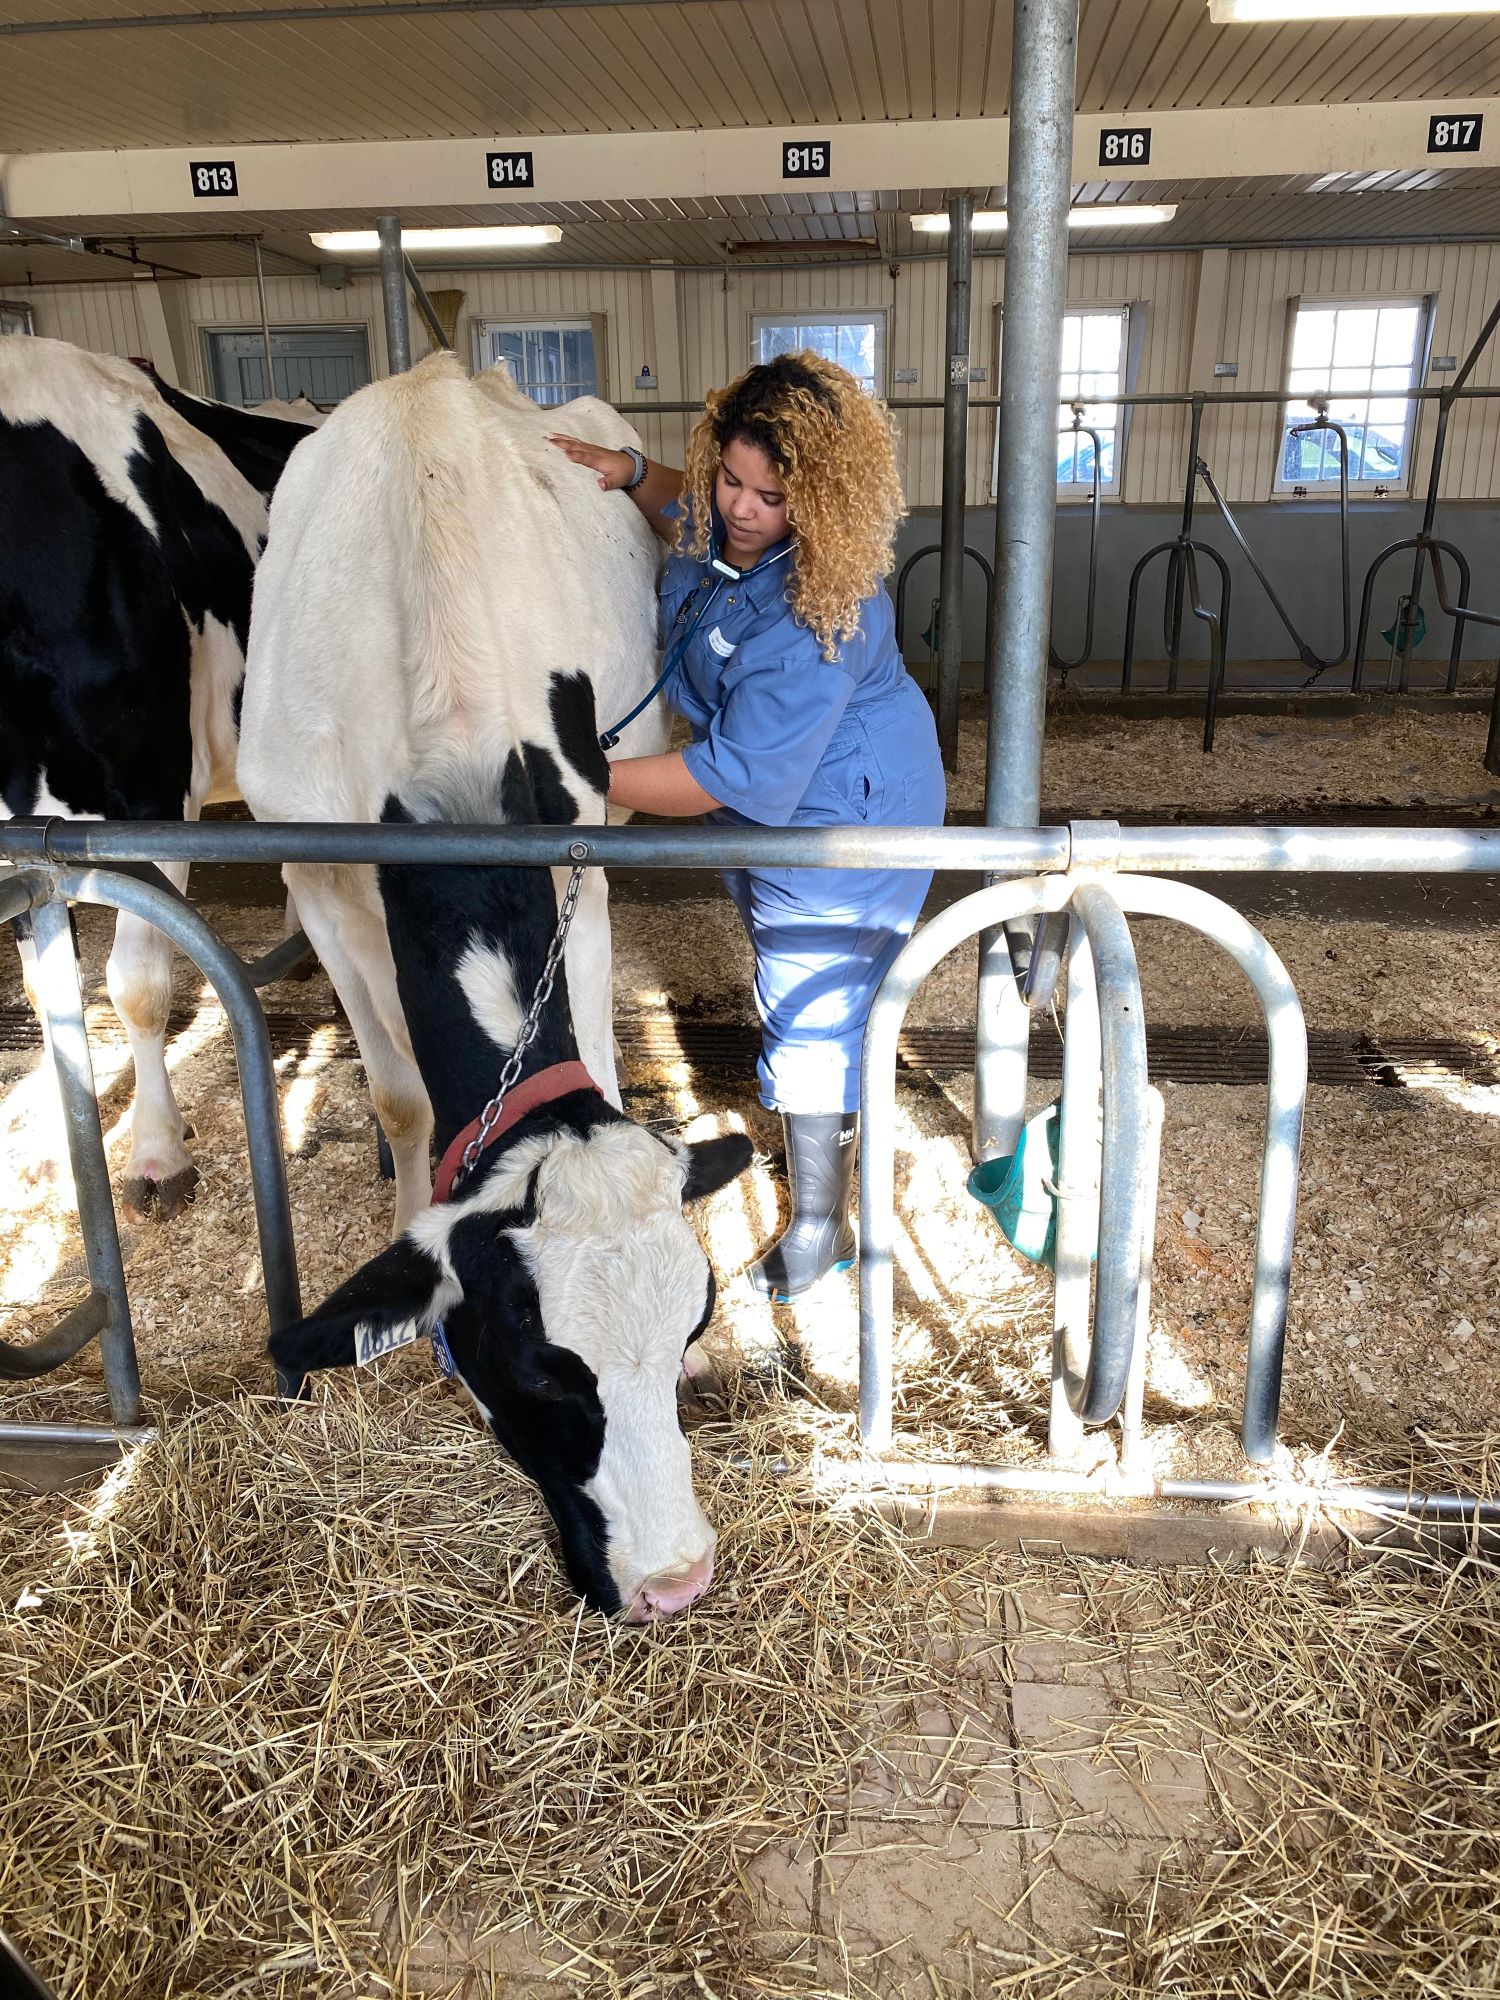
x: 1132, y: 312
x: 878, y: 316
x: 1400, y: 485
x: 208, y: 328
x: 584, y: 322
x: 22, y: 311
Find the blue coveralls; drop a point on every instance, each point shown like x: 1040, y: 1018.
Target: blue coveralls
x: 783, y: 737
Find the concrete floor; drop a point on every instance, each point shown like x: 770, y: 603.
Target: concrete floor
x: 1048, y: 1778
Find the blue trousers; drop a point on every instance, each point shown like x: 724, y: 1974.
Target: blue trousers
x: 824, y: 938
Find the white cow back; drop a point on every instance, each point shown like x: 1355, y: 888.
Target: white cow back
x: 422, y: 581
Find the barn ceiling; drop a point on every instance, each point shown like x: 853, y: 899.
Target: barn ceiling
x: 644, y: 65
x: 414, y: 72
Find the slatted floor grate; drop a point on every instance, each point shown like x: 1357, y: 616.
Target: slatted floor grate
x: 1176, y: 1054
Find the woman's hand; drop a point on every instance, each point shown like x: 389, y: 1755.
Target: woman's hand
x: 613, y: 467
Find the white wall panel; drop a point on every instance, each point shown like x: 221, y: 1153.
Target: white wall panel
x: 715, y: 308
x: 101, y: 317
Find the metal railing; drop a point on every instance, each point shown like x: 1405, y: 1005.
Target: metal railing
x: 1093, y: 874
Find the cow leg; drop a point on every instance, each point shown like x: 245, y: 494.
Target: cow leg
x: 587, y: 959
x: 291, y: 923
x: 159, y: 1173
x: 349, y: 936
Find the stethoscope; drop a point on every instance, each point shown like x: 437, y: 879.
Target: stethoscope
x: 677, y: 646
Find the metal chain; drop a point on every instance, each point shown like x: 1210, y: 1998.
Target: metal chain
x: 542, y: 993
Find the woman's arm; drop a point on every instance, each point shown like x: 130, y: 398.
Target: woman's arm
x: 661, y: 785
x: 656, y: 492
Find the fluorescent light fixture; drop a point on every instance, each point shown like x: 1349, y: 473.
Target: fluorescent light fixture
x: 1121, y: 214
x: 1224, y: 12
x: 503, y: 236
x: 937, y: 225
x: 1098, y: 215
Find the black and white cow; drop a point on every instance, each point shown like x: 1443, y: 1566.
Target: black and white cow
x: 131, y: 520
x: 445, y: 609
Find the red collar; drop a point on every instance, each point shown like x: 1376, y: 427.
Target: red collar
x: 540, y: 1088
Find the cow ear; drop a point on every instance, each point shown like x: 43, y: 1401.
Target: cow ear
x: 714, y: 1163
x: 386, y: 1304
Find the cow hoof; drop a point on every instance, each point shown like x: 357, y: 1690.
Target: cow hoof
x: 144, y: 1196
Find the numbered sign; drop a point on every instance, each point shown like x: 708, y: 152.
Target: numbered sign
x: 1125, y: 146
x: 213, y: 177
x: 503, y: 170
x: 806, y: 159
x: 1455, y: 132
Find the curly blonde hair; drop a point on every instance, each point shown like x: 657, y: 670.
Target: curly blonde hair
x: 834, y: 448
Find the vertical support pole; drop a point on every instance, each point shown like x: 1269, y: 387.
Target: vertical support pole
x: 955, y: 475
x: 1078, y: 1197
x: 55, y: 980
x: 1492, y: 746
x: 1043, y: 62
x: 265, y: 323
x: 393, y: 295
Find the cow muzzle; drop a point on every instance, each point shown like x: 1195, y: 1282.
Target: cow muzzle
x: 661, y: 1596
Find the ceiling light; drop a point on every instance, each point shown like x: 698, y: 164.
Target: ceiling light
x: 937, y: 225
x: 1121, y: 214
x: 1098, y: 215
x: 1225, y: 11
x: 503, y: 236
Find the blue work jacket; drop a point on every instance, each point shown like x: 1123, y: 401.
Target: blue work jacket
x: 782, y: 736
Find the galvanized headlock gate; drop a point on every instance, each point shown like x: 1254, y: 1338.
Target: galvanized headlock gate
x: 1088, y: 877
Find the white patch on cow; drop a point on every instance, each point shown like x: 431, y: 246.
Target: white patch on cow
x: 218, y: 667
x: 489, y: 987
x: 621, y: 1278
x: 46, y: 803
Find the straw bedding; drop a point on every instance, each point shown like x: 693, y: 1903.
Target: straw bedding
x: 297, y: 1704
x: 294, y: 1691
x: 1361, y: 1853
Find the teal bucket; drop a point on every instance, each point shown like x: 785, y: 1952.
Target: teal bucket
x: 1018, y: 1189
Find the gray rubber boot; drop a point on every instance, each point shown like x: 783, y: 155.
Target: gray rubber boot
x: 821, y: 1149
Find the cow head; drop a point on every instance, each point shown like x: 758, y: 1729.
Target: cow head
x: 568, y: 1284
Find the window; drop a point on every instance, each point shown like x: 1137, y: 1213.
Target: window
x: 323, y: 363
x: 552, y: 362
x: 855, y: 340
x: 1092, y: 368
x: 1345, y: 351
x: 15, y: 317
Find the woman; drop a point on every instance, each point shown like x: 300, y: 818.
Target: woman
x: 782, y: 655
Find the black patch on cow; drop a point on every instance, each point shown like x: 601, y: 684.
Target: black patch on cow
x: 708, y: 1311
x: 532, y: 789
x: 543, y: 1399
x: 392, y: 1288
x: 257, y: 447
x: 433, y: 914
x: 205, y: 554
x: 714, y: 1163
x: 94, y: 653
x: 571, y: 700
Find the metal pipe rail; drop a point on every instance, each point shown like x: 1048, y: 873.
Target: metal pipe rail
x: 1314, y: 662
x: 1106, y: 1201
x: 1054, y: 658
x: 36, y: 901
x: 936, y: 549
x: 1041, y: 850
